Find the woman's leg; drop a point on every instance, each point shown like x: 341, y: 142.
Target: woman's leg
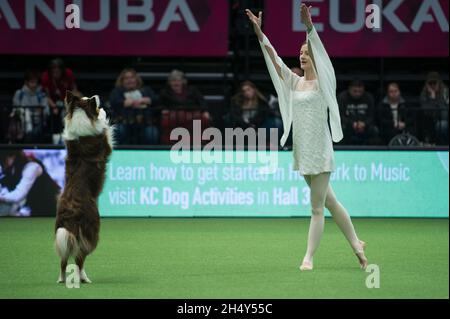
x: 342, y: 219
x: 318, y: 185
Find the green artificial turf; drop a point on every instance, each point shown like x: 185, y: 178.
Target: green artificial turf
x: 229, y: 258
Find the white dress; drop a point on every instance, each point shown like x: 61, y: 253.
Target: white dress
x: 312, y: 143
x: 307, y: 111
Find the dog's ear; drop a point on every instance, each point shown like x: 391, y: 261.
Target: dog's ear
x: 70, y: 100
x: 94, y: 104
x: 69, y: 97
x: 94, y: 101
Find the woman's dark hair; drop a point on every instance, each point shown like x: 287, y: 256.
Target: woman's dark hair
x: 433, y: 77
x: 238, y: 98
x: 20, y: 159
x: 436, y: 78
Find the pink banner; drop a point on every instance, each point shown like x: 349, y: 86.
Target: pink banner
x: 114, y: 27
x: 407, y: 28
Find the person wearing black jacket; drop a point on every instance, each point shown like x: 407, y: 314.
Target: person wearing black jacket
x: 177, y: 94
x: 434, y: 100
x: 357, y: 109
x: 394, y: 116
x: 181, y: 104
x: 250, y: 109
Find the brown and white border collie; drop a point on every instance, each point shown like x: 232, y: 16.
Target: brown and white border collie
x: 88, y: 138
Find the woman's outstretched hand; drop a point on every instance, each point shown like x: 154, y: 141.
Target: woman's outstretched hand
x: 256, y: 22
x: 305, y: 14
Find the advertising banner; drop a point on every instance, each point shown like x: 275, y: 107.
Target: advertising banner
x: 360, y: 28
x: 143, y: 183
x: 114, y: 27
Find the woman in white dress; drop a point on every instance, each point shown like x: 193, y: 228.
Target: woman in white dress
x: 304, y: 102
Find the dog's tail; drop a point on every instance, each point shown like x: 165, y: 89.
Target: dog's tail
x: 65, y: 243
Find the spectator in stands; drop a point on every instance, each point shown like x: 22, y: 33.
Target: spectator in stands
x: 394, y: 115
x: 133, y: 108
x: 357, y: 108
x: 55, y: 82
x: 435, y: 101
x: 249, y: 108
x: 30, y: 108
x: 182, y: 104
x: 177, y: 94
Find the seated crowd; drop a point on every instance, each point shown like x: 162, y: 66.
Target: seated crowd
x: 143, y: 117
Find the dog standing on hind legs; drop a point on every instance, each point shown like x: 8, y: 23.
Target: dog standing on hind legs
x: 88, y: 138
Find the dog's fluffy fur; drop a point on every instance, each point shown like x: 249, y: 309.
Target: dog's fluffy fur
x: 88, y: 138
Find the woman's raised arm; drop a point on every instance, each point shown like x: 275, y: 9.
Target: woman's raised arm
x: 325, y: 73
x: 316, y: 48
x: 257, y: 22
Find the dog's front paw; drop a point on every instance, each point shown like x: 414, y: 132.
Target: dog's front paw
x: 61, y: 280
